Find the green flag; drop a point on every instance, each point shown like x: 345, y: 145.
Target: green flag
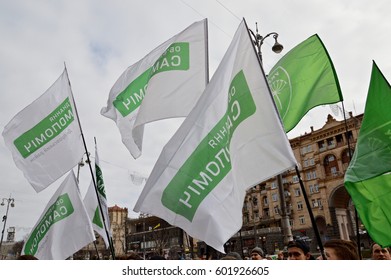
x: 368, y: 178
x: 303, y: 79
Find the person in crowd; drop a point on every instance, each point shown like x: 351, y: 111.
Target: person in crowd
x: 257, y: 254
x: 280, y: 255
x: 338, y: 249
x: 299, y: 250
x: 133, y: 256
x: 227, y: 257
x: 379, y: 253
x: 157, y: 257
x: 27, y: 257
x: 236, y: 255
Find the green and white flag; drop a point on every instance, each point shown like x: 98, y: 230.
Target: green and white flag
x: 92, y: 206
x: 45, y: 137
x: 232, y: 140
x: 165, y: 84
x: 368, y: 177
x: 64, y: 226
x: 303, y: 79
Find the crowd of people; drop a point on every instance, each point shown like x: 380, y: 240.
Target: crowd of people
x: 335, y: 249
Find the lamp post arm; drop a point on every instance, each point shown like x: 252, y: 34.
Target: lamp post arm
x: 262, y: 38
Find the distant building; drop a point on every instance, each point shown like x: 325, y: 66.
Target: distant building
x: 324, y: 157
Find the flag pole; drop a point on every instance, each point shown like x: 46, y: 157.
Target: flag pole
x: 103, y: 216
x: 85, y: 147
x: 355, y: 209
x: 312, y: 218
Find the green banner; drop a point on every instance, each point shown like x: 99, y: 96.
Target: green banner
x: 303, y: 79
x: 368, y: 177
x: 210, y: 162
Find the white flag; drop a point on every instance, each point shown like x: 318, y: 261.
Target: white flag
x: 92, y: 206
x: 165, y: 84
x: 64, y: 226
x: 45, y: 138
x: 232, y: 140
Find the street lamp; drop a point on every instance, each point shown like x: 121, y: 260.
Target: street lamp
x: 81, y: 164
x: 9, y: 201
x: 259, y: 39
x: 277, y: 48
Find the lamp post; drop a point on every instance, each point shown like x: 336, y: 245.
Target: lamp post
x: 81, y: 164
x: 10, y: 201
x: 277, y: 48
x: 259, y: 39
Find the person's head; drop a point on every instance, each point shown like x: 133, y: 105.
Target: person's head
x: 157, y: 257
x: 27, y: 257
x: 235, y: 255
x: 257, y: 254
x: 133, y: 256
x: 338, y: 249
x: 298, y: 250
x: 229, y: 258
x: 280, y: 255
x: 379, y: 253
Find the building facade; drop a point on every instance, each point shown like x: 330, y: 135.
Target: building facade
x: 323, y: 156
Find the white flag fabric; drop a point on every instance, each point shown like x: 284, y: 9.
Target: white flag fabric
x: 232, y: 140
x: 45, y: 138
x: 92, y: 206
x: 64, y: 226
x: 165, y: 84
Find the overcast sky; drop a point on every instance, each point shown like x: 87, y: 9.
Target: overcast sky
x: 98, y: 40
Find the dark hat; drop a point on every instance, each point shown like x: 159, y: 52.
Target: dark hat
x: 258, y: 251
x: 235, y: 255
x: 299, y: 244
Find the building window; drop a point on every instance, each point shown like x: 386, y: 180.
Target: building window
x: 299, y: 205
x: 276, y: 211
x: 297, y: 192
x: 266, y: 213
x: 330, y: 143
x: 302, y: 220
x: 306, y: 149
x: 330, y: 165
x: 274, y: 185
x: 319, y: 202
x: 314, y: 188
x: 322, y: 146
x: 295, y: 179
x: 275, y: 197
x: 265, y: 200
x: 291, y: 223
x: 255, y: 201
